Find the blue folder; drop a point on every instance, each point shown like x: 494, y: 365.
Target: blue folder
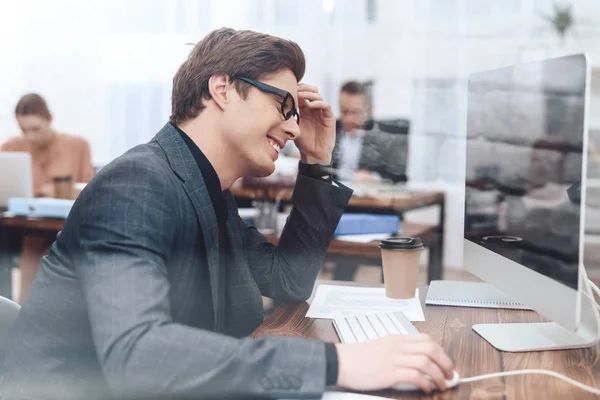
x: 40, y: 207
x: 358, y: 224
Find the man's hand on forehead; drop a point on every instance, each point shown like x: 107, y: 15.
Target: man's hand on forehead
x: 317, y: 126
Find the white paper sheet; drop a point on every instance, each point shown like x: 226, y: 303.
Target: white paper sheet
x: 333, y: 300
x: 364, y: 238
x: 347, y: 396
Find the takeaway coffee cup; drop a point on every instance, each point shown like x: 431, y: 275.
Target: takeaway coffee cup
x: 63, y: 187
x: 400, y: 260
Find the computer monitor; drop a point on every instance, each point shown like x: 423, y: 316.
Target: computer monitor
x: 15, y: 176
x: 526, y: 158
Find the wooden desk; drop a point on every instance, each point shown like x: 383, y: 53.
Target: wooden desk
x: 370, y: 253
x: 25, y: 225
x: 451, y: 326
x: 403, y: 201
x: 431, y: 236
x: 12, y: 229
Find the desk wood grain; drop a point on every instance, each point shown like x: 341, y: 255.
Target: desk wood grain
x: 402, y: 201
x: 39, y: 225
x: 451, y: 327
x: 427, y: 233
x: 371, y: 249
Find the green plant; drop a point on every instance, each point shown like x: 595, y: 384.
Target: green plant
x: 562, y: 20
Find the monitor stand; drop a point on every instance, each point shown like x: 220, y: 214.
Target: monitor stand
x: 548, y: 335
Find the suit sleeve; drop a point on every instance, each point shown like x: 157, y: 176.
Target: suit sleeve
x: 288, y: 272
x: 126, y: 222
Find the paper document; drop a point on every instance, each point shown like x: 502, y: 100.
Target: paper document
x: 333, y: 301
x: 363, y: 238
x: 347, y: 396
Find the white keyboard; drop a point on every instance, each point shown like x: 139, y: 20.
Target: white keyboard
x: 362, y: 328
x: 356, y: 329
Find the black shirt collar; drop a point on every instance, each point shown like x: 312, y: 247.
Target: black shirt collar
x: 211, y: 179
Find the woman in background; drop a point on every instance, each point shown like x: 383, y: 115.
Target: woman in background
x: 53, y: 155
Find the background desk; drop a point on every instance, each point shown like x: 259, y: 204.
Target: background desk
x: 12, y: 229
x: 396, y: 201
x: 401, y: 200
x: 451, y: 326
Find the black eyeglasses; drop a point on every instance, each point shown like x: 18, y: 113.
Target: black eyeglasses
x: 288, y: 105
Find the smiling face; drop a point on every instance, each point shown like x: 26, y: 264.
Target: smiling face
x: 254, y: 128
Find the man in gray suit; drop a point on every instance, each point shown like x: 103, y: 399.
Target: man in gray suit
x: 365, y: 152
x: 153, y: 286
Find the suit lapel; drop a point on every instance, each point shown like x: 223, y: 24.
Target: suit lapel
x: 183, y: 164
x: 244, y: 302
x: 208, y: 224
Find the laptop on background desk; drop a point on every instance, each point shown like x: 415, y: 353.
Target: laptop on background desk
x: 15, y: 177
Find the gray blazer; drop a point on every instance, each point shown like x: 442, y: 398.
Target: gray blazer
x: 112, y: 312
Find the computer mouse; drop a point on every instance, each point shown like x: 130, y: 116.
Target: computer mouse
x: 405, y: 387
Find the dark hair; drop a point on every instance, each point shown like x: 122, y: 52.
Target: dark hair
x: 353, y: 87
x: 231, y: 52
x: 33, y: 104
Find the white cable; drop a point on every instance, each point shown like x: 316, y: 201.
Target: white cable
x: 529, y: 372
x: 595, y: 289
x: 573, y: 382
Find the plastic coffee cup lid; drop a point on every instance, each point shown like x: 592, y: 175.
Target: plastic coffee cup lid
x: 501, y: 239
x: 401, y: 243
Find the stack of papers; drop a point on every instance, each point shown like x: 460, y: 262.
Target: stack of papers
x: 347, y: 396
x: 363, y: 238
x: 333, y: 301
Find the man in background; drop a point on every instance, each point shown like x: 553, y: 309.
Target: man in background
x: 366, y: 151
x: 348, y: 158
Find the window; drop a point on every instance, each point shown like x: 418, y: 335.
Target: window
x: 136, y: 113
x: 257, y: 12
x: 286, y: 12
x: 203, y: 15
x: 509, y: 7
x: 479, y: 7
x: 371, y: 10
x: 443, y: 9
x: 154, y: 17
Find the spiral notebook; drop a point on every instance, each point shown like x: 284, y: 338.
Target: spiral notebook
x: 469, y: 294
